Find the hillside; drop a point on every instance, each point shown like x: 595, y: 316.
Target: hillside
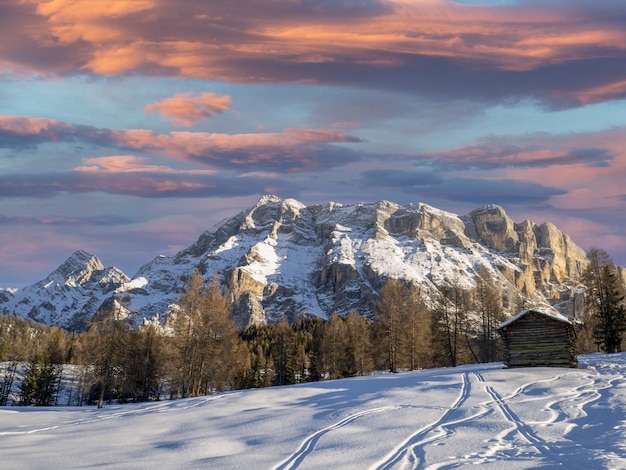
x: 441, y: 418
x: 281, y: 258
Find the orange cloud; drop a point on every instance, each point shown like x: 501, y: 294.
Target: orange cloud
x: 91, y: 21
x: 186, y: 109
x: 210, y: 40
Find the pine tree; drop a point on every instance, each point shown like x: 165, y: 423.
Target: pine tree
x: 6, y: 385
x: 605, y: 299
x: 41, y: 385
x: 283, y: 350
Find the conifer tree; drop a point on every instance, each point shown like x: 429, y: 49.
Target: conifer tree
x: 605, y: 299
x: 283, y: 353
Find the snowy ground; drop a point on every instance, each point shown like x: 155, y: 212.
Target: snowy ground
x: 436, y: 419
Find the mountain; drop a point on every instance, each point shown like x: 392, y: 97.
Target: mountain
x: 69, y: 296
x: 282, y: 258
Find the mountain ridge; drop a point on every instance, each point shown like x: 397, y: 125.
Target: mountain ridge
x: 282, y: 258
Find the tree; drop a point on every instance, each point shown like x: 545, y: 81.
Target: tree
x: 605, y: 300
x: 389, y: 313
x: 42, y: 383
x: 417, y: 319
x: 283, y: 350
x: 451, y: 322
x: 185, y: 326
x: 205, y: 339
x: 6, y: 385
x: 488, y: 303
x: 108, y: 333
x: 334, y: 348
x: 359, y: 344
x: 217, y: 341
x: 143, y: 366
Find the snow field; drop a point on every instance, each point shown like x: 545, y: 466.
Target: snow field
x: 433, y: 419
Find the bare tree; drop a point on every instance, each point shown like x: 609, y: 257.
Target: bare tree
x: 359, y: 344
x: 205, y: 338
x: 389, y: 312
x: 334, y: 347
x: 488, y: 303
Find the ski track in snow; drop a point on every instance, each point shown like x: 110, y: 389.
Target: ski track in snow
x: 411, y: 452
x: 307, y: 446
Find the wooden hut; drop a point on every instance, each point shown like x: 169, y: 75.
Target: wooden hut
x: 539, y: 337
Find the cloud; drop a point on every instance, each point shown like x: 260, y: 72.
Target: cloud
x: 505, y: 153
x: 561, y: 53
x: 19, y: 132
x: 464, y: 190
x: 293, y: 150
x: 186, y: 109
x: 131, y: 164
x: 78, y: 20
x: 99, y: 220
x: 145, y: 185
x: 134, y: 176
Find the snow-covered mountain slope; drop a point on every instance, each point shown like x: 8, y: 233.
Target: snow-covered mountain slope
x: 281, y: 258
x: 69, y: 296
x: 475, y: 416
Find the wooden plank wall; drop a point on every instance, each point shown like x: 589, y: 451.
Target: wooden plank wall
x: 537, y: 340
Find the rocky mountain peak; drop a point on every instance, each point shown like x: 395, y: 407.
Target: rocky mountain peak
x: 494, y: 228
x: 70, y: 295
x: 283, y: 259
x: 78, y: 268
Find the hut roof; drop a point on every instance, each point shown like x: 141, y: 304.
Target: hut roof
x: 550, y: 313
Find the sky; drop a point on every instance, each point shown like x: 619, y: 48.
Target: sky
x: 129, y: 127
x: 475, y: 416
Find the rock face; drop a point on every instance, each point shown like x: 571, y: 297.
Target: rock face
x: 547, y: 258
x: 282, y: 259
x: 70, y: 295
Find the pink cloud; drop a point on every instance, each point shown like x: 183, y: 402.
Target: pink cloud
x: 24, y: 126
x: 293, y: 150
x: 286, y: 149
x: 186, y: 109
x: 594, y: 94
x: 259, y: 42
x: 131, y: 164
